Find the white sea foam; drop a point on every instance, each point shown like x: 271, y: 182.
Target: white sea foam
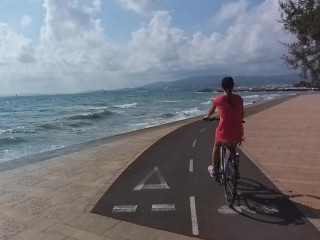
x: 52, y: 147
x: 127, y: 105
x: 271, y: 96
x: 169, y: 101
x: 207, y: 102
x: 140, y: 124
x: 192, y: 112
x: 251, y: 97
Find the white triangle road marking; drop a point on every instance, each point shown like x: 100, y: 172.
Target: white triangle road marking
x: 142, y: 184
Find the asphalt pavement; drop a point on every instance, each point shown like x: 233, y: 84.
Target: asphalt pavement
x: 168, y: 187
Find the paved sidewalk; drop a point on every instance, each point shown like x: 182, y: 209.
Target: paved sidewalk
x: 52, y: 199
x: 284, y: 142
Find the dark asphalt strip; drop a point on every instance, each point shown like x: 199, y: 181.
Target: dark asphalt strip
x: 261, y: 211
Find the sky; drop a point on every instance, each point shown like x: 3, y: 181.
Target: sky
x: 69, y: 46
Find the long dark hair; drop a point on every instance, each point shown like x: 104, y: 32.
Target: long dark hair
x: 227, y: 85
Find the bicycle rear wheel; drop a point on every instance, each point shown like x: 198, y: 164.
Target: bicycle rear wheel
x: 230, y: 182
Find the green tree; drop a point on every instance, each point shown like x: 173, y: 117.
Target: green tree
x: 302, y: 19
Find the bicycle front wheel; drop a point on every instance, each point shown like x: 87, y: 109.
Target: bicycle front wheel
x: 230, y: 183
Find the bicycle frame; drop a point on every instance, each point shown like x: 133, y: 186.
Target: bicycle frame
x: 226, y: 153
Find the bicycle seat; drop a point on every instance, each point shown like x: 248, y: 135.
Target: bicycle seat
x: 229, y: 145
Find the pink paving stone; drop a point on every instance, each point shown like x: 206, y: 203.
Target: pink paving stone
x: 285, y: 141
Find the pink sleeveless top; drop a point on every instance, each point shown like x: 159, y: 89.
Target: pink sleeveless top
x: 230, y: 129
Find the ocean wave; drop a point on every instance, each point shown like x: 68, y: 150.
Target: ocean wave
x: 191, y: 112
x: 19, y: 129
x: 169, y: 101
x: 138, y: 114
x: 145, y: 124
x: 181, y: 115
x: 77, y: 124
x: 207, y: 102
x: 167, y: 115
x: 127, y: 105
x: 50, y: 126
x: 271, y: 96
x: 251, y: 97
x: 50, y: 148
x: 92, y: 115
x: 11, y: 140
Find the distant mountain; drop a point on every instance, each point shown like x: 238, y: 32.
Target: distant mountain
x: 213, y: 81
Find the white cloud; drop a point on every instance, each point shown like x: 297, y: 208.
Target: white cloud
x: 154, y: 46
x: 231, y: 11
x: 75, y: 54
x: 14, y: 48
x: 251, y: 42
x: 26, y: 21
x: 250, y: 45
x: 96, y: 7
x: 138, y: 6
x: 64, y: 20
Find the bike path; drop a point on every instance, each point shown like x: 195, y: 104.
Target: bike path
x: 168, y: 188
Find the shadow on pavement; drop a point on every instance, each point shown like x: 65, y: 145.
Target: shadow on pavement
x: 308, y: 211
x: 260, y: 203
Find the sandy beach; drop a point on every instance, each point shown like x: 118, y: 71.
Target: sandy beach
x: 52, y: 197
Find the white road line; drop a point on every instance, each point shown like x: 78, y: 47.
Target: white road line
x: 202, y: 130
x: 191, y: 165
x: 194, y: 143
x: 163, y: 207
x: 194, y: 220
x: 124, y: 208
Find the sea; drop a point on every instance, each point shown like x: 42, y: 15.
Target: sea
x: 37, y: 124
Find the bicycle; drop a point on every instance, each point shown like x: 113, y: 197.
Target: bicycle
x: 228, y: 169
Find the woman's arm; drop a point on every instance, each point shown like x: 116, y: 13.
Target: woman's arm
x: 242, y: 108
x: 242, y: 112
x: 210, y: 113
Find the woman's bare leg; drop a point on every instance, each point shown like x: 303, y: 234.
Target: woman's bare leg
x: 216, y: 156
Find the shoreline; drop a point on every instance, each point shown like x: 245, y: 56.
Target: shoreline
x: 266, y: 89
x: 39, y: 157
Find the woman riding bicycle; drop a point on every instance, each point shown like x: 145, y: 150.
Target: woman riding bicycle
x: 230, y: 129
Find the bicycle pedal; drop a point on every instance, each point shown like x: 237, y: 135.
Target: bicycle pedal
x: 218, y: 179
x: 221, y: 180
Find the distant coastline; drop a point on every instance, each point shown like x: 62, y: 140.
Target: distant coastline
x: 265, y: 89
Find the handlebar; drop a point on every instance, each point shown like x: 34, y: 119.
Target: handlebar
x: 205, y: 119
x: 211, y: 119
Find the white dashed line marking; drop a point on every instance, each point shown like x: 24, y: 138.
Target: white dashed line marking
x: 202, y: 130
x: 124, y: 208
x: 163, y: 207
x: 194, y: 220
x: 191, y: 165
x: 194, y: 143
